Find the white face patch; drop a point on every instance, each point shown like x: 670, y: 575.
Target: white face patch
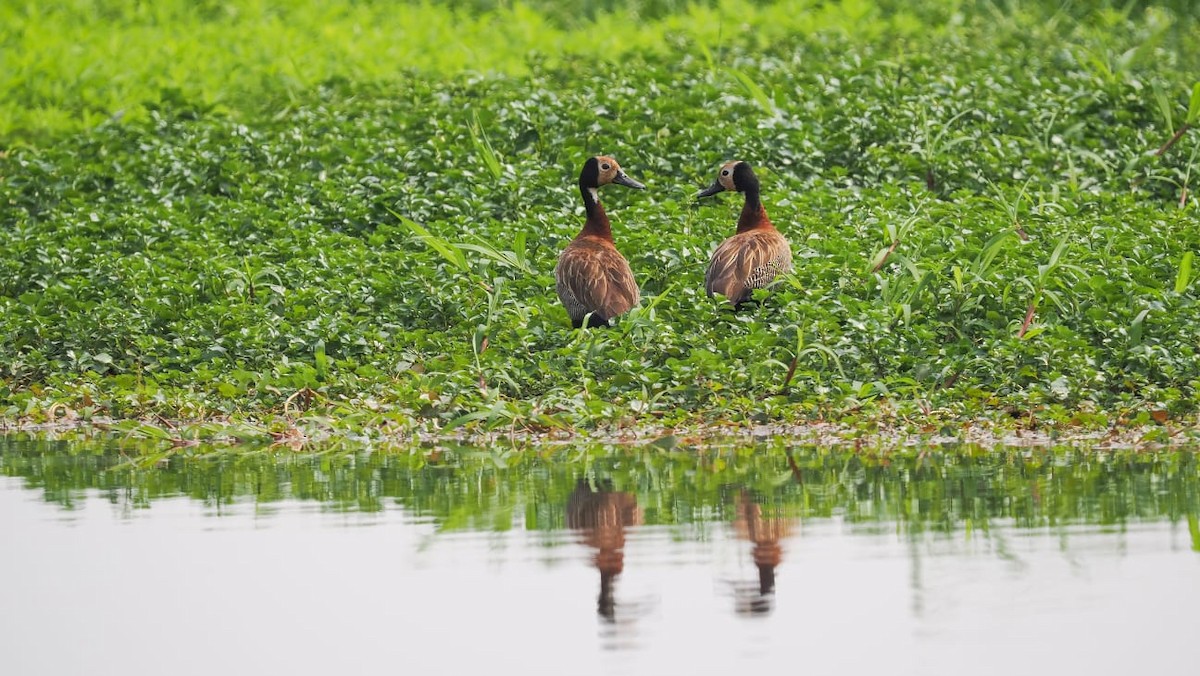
x: 608, y: 170
x: 726, y: 177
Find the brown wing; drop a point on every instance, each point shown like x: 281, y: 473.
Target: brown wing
x: 747, y: 261
x: 594, y: 277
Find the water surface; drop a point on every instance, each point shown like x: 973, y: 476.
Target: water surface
x: 596, y: 560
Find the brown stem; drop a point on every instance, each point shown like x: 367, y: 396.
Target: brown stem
x: 796, y: 473
x: 1028, y: 319
x: 930, y: 179
x: 949, y: 382
x: 1179, y: 134
x: 791, y: 372
x: 883, y: 260
x: 166, y: 423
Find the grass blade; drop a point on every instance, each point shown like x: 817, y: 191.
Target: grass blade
x: 1193, y: 115
x: 983, y: 261
x: 450, y: 252
x: 1184, y: 277
x: 756, y: 92
x: 507, y: 258
x: 487, y: 153
x: 708, y: 57
x: 1164, y: 108
x: 321, y: 361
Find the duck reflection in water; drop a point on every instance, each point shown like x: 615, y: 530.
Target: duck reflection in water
x: 602, y: 516
x: 764, y: 534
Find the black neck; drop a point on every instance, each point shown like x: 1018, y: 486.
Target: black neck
x: 597, y: 221
x: 753, y: 213
x: 752, y: 198
x: 590, y: 204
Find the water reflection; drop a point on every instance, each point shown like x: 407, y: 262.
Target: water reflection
x: 601, y: 516
x: 959, y: 552
x: 767, y: 553
x: 940, y: 489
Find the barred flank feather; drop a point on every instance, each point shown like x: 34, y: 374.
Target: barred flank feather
x: 747, y: 261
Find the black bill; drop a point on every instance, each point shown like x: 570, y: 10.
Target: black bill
x: 624, y: 180
x: 711, y: 190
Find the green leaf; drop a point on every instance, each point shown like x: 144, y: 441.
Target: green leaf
x: 1184, y: 276
x: 756, y: 92
x: 877, y: 259
x: 450, y: 252
x: 1032, y: 332
x: 322, y: 361
x: 1137, y: 326
x: 1165, y: 107
x: 519, y: 251
x: 991, y: 249
x: 506, y: 258
x: 483, y: 146
x: 708, y: 57
x: 467, y: 418
x: 1193, y: 115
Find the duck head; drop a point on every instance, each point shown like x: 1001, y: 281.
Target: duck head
x: 736, y: 176
x: 602, y: 170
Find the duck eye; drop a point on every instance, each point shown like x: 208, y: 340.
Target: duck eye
x: 605, y: 167
x: 724, y: 172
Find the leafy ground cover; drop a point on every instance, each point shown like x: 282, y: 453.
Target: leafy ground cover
x: 347, y: 217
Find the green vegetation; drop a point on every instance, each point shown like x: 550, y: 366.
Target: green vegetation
x: 945, y: 489
x: 344, y: 216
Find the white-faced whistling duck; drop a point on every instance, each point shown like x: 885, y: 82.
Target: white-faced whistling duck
x: 592, y: 277
x: 756, y: 253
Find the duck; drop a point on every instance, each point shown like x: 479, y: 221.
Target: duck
x: 602, y: 517
x: 593, y: 280
x: 756, y: 253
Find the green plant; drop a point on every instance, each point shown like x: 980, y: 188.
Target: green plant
x: 1046, y: 285
x: 1191, y: 119
x: 333, y: 244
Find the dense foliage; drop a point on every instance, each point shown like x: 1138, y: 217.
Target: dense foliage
x: 365, y: 239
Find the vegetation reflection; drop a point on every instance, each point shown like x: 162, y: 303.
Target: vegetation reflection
x: 928, y: 489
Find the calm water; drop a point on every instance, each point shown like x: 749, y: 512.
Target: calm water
x: 597, y: 560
